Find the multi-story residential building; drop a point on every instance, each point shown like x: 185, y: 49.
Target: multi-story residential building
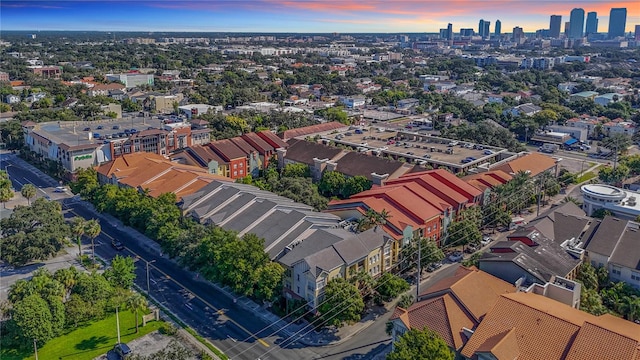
x: 615, y: 247
x: 420, y: 204
x: 452, y: 305
x: 162, y: 103
x: 619, y: 126
x: 155, y: 175
x: 313, y: 263
x: 528, y: 325
x: 4, y: 76
x: 236, y: 157
x: 47, y: 71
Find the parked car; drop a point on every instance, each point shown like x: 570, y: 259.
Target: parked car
x: 60, y: 189
x: 486, y: 240
x: 122, y: 350
x: 87, y: 129
x: 456, y: 256
x: 470, y: 249
x: 116, y: 127
x: 117, y: 244
x: 434, y: 266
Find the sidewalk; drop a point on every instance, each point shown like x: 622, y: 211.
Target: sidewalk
x: 299, y: 332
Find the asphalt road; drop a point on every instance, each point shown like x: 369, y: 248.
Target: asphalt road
x: 238, y: 333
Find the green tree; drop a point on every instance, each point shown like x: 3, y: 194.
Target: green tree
x: 136, y: 303
x: 613, y: 175
x: 296, y: 170
x: 93, y: 229
x: 617, y: 142
x: 269, y: 279
x: 390, y: 286
x: 429, y: 253
x: 355, y: 185
x: 405, y: 301
x: 28, y: 191
x: 6, y: 194
x: 34, y: 232
x: 78, y: 228
x: 121, y: 273
x: 337, y: 114
x: 601, y: 213
x: 32, y: 318
x: 420, y: 344
x: 331, y: 183
x: 86, y: 182
x: 342, y: 303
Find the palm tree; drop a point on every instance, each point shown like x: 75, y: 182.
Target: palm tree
x: 136, y: 303
x: 68, y: 278
x: 28, y: 191
x: 78, y: 228
x: 92, y: 229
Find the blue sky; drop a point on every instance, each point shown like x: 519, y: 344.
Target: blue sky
x: 295, y: 15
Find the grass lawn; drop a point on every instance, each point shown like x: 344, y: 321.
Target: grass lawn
x: 586, y: 176
x: 88, y: 341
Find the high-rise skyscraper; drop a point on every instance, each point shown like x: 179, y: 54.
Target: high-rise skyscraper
x: 498, y: 28
x: 518, y: 34
x: 450, y: 32
x: 483, y: 29
x: 576, y: 24
x: 637, y: 33
x: 554, y: 26
x: 592, y: 23
x: 617, y: 22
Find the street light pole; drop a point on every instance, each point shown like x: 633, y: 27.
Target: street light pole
x: 35, y: 347
x: 148, y: 262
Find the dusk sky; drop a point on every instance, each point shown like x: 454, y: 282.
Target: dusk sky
x: 343, y: 16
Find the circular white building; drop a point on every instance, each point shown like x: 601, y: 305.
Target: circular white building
x: 599, y: 196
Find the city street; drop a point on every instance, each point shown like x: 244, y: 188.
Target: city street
x: 238, y: 333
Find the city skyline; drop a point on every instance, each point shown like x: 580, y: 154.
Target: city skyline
x: 306, y: 16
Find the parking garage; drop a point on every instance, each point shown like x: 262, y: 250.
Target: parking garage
x: 422, y: 149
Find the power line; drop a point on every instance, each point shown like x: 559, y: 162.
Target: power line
x: 515, y: 195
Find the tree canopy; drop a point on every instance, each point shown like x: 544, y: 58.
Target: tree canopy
x: 420, y: 344
x: 35, y: 232
x: 342, y: 303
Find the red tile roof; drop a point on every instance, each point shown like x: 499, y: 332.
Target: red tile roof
x: 412, y: 199
x: 487, y: 180
x: 534, y: 163
x: 454, y: 303
x: 272, y: 139
x: 547, y: 329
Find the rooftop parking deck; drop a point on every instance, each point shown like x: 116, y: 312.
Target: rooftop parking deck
x: 417, y: 148
x: 77, y: 132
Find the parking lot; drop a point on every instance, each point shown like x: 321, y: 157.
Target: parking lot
x: 419, y: 148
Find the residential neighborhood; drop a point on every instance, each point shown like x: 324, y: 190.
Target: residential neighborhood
x: 298, y: 195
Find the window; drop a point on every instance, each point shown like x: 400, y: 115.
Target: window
x: 235, y: 173
x: 616, y: 270
x: 635, y: 276
x: 235, y: 166
x: 387, y: 250
x: 298, y: 277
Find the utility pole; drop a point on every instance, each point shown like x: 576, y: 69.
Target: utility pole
x: 35, y: 347
x: 118, y: 324
x: 419, y: 269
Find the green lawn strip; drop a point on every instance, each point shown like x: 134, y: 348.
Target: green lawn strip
x: 586, y: 176
x: 87, y: 342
